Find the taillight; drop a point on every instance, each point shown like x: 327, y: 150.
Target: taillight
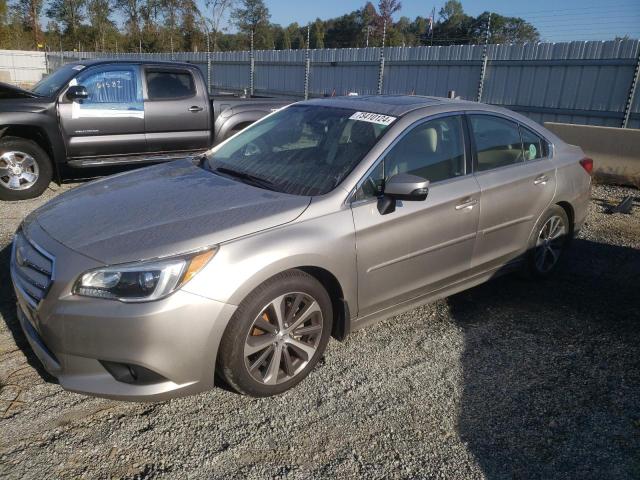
x: 587, y: 164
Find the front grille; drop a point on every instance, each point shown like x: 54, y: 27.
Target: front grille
x: 33, y: 269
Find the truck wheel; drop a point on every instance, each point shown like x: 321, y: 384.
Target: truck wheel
x: 25, y: 169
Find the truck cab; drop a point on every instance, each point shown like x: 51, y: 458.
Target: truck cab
x: 108, y: 112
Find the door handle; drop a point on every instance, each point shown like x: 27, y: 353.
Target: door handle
x: 467, y: 203
x: 541, y: 180
x: 195, y: 109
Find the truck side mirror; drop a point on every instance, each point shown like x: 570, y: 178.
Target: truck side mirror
x: 402, y: 186
x: 77, y: 92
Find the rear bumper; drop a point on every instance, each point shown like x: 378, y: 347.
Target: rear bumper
x: 176, y: 338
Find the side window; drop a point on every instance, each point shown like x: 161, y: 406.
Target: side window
x: 165, y: 85
x: 112, y: 87
x: 497, y: 142
x: 372, y: 185
x: 534, y: 146
x: 433, y: 150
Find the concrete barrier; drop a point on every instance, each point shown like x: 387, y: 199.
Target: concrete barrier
x: 615, y: 151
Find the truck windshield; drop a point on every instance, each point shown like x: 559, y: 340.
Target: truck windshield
x: 49, y: 85
x: 301, y: 150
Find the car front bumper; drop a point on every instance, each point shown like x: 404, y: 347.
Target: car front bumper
x: 75, y: 337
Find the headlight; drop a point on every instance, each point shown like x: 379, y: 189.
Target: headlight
x: 142, y: 281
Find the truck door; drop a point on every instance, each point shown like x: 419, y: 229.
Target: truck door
x: 110, y: 121
x: 177, y: 110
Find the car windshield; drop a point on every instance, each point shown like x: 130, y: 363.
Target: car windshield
x: 300, y: 150
x: 49, y: 85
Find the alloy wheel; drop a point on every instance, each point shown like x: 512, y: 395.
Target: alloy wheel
x: 283, y: 338
x: 18, y: 170
x: 549, y: 243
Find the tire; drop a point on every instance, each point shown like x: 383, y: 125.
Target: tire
x: 548, y: 242
x: 24, y: 162
x: 256, y: 373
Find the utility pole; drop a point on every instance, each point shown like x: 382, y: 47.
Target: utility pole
x: 307, y: 63
x: 381, y: 72
x: 432, y: 23
x: 485, y: 52
x: 252, y: 67
x: 632, y: 95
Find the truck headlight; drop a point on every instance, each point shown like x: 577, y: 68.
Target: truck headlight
x: 142, y: 281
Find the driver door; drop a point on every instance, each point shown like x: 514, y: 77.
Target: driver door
x: 422, y: 245
x: 110, y: 121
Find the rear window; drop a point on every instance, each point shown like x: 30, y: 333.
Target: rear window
x: 163, y: 85
x: 534, y: 146
x: 497, y: 140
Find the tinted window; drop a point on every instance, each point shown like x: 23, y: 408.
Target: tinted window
x: 433, y: 150
x: 165, y: 85
x: 111, y: 86
x: 534, y: 146
x: 301, y: 150
x: 497, y: 142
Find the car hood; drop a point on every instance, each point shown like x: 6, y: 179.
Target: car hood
x: 161, y: 210
x: 11, y: 91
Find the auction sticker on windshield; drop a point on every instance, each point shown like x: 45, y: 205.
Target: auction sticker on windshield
x: 372, y: 118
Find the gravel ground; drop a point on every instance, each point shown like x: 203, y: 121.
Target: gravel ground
x: 511, y: 379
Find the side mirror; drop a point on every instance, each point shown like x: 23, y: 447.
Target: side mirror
x: 402, y: 186
x: 77, y: 92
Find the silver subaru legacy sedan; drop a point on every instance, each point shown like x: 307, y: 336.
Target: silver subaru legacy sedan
x: 319, y: 219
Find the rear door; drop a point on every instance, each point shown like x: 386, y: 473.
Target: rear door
x: 111, y: 121
x: 177, y: 114
x: 517, y: 182
x: 422, y: 245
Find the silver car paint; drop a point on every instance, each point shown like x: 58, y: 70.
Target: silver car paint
x: 421, y: 252
x: 166, y: 209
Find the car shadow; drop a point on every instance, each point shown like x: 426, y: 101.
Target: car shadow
x: 551, y: 369
x: 10, y: 316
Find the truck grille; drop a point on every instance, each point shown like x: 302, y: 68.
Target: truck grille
x: 32, y: 269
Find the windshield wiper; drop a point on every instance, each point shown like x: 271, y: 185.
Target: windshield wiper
x: 247, y: 177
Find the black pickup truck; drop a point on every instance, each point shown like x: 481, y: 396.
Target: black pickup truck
x: 99, y: 113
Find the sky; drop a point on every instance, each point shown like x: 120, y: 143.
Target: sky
x: 556, y: 20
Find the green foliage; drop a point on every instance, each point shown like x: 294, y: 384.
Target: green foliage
x: 179, y: 25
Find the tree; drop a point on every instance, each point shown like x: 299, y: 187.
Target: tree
x: 387, y: 8
x: 451, y: 11
x: 317, y: 34
x: 29, y: 12
x: 131, y: 10
x: 251, y: 17
x: 218, y: 10
x: 504, y: 29
x: 455, y: 26
x: 99, y: 13
x: 344, y: 31
x: 69, y: 13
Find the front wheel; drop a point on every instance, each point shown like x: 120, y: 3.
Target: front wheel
x: 277, y: 335
x: 25, y: 169
x: 548, y: 243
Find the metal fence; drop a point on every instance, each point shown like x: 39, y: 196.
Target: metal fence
x: 22, y: 67
x: 589, y: 83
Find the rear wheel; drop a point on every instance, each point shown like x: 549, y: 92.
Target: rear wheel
x: 548, y: 243
x: 276, y: 336
x: 25, y: 169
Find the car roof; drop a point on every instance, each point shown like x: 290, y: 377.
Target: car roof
x: 394, y: 105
